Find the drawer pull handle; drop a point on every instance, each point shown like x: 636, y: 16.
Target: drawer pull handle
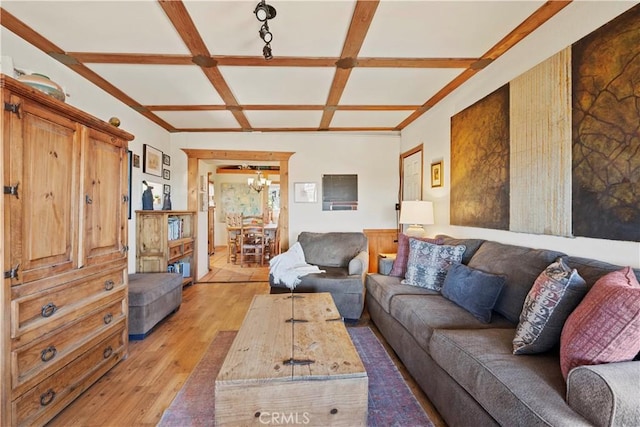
x: 48, y: 310
x: 108, y: 285
x: 47, y: 397
x: 48, y: 353
x: 108, y: 318
x: 107, y: 352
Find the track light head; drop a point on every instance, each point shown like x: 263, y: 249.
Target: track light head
x: 266, y: 51
x: 264, y: 11
x: 265, y: 34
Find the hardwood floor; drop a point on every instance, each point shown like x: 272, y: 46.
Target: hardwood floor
x: 223, y: 272
x: 138, y: 390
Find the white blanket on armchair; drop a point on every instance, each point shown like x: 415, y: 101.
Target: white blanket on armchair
x: 288, y: 267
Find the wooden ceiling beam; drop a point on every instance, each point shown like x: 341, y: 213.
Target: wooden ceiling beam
x: 533, y: 22
x: 181, y: 20
x: 360, y: 23
x: 258, y: 61
x: 280, y: 107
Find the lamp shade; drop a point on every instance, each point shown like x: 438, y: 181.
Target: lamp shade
x: 418, y: 212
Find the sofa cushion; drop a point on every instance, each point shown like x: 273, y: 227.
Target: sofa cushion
x: 399, y: 268
x: 334, y: 249
x: 422, y: 314
x: 473, y: 290
x: 605, y: 327
x: 555, y: 294
x: 472, y: 245
x: 428, y: 263
x: 520, y: 265
x: 515, y: 390
x: 383, y: 288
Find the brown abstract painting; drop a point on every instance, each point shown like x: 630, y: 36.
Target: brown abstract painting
x: 606, y: 131
x: 480, y: 163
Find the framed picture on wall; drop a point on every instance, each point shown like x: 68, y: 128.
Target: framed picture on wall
x: 436, y: 174
x: 305, y: 192
x: 166, y: 160
x: 152, y: 160
x: 166, y: 173
x: 166, y: 189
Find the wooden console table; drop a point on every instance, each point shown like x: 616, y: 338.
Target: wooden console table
x: 292, y: 360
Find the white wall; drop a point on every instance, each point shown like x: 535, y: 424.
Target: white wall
x: 88, y: 97
x: 433, y: 128
x: 374, y: 158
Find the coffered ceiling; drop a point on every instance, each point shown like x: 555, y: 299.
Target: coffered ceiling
x: 338, y: 65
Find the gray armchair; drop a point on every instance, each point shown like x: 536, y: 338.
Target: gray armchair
x: 345, y: 258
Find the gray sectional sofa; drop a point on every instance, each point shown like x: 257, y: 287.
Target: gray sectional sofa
x: 467, y: 368
x: 344, y: 257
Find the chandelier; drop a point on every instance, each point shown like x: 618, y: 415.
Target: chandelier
x: 259, y: 182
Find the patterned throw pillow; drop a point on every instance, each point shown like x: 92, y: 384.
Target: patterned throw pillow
x: 399, y: 268
x: 605, y: 327
x: 473, y: 290
x: 428, y: 263
x: 554, y: 295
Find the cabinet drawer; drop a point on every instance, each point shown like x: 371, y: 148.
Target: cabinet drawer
x: 45, y: 400
x: 62, y: 304
x: 188, y: 247
x: 36, y: 360
x: 175, y: 251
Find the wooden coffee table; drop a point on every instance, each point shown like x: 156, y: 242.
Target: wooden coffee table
x: 292, y: 362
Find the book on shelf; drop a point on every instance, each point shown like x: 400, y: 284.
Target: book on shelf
x: 175, y: 228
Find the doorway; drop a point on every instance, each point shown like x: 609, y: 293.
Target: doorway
x: 194, y: 155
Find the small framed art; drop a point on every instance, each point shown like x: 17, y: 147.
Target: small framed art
x: 152, y: 160
x: 136, y: 161
x: 305, y: 192
x: 436, y: 174
x: 166, y: 189
x: 166, y: 173
x: 166, y: 160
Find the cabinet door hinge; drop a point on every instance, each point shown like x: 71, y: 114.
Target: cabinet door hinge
x: 13, y: 108
x: 11, y: 190
x: 125, y: 198
x: 125, y: 249
x: 13, y: 273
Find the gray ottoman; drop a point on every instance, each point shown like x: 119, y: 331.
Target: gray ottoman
x: 152, y: 297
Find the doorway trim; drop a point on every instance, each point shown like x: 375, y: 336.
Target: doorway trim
x: 193, y: 155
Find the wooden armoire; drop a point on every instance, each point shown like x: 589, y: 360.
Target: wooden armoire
x: 64, y: 230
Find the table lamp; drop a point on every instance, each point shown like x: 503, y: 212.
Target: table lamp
x: 416, y: 213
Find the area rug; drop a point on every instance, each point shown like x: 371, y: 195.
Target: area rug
x: 391, y: 402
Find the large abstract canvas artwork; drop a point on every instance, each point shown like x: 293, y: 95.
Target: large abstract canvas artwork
x: 606, y: 131
x: 480, y: 163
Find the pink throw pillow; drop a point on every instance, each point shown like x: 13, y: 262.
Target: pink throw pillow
x: 399, y: 268
x: 605, y: 327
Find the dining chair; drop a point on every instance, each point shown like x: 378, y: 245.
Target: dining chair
x: 234, y: 222
x: 252, y: 240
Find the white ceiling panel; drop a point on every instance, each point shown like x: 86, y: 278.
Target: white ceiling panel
x: 105, y: 26
x: 279, y: 85
x: 300, y: 28
x: 394, y: 86
x: 161, y: 84
x: 284, y: 119
x: 199, y: 119
x: 442, y: 29
x: 365, y: 119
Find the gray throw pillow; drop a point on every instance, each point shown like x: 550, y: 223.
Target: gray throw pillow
x: 473, y: 290
x: 427, y: 264
x: 554, y: 295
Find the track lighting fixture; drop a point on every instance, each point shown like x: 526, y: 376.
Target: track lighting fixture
x: 264, y: 12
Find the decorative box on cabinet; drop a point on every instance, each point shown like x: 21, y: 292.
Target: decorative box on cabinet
x: 64, y: 258
x: 166, y: 240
